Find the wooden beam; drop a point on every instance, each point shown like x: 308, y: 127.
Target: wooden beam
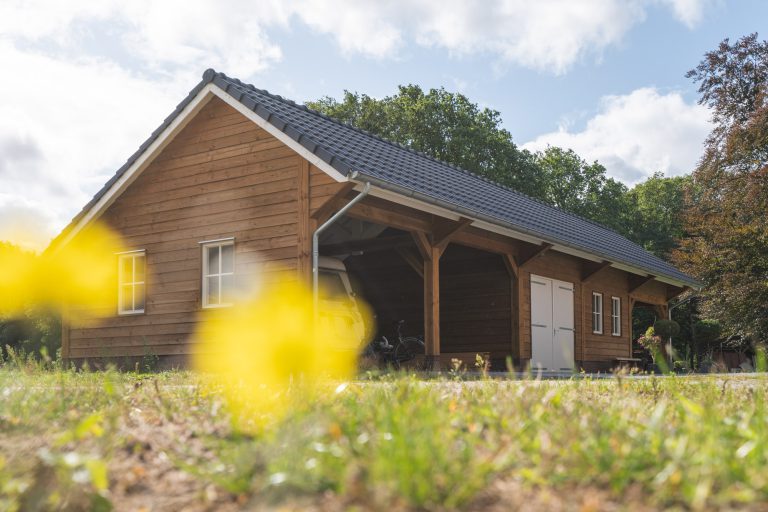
x: 512, y: 267
x: 639, y: 282
x: 486, y: 241
x: 304, y: 225
x: 373, y: 211
x: 446, y: 232
x: 537, y: 253
x: 676, y: 291
x: 422, y: 244
x: 590, y: 275
x: 367, y: 245
x: 333, y: 203
x: 412, y: 259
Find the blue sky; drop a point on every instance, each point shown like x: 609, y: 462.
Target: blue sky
x: 86, y: 82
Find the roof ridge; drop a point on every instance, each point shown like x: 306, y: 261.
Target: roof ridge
x: 304, y: 107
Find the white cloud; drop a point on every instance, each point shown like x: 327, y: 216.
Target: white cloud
x: 689, y: 12
x: 68, y: 128
x: 83, y: 64
x: 637, y: 134
x: 549, y: 35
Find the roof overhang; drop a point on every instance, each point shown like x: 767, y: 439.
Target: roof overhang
x: 430, y: 205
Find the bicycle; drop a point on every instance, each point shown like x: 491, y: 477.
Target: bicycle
x: 404, y: 349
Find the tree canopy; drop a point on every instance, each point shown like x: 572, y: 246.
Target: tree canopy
x: 726, y: 204
x: 572, y: 184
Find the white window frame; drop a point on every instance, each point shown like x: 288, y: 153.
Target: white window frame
x: 206, y: 272
x: 597, y: 314
x: 133, y: 310
x: 615, y: 316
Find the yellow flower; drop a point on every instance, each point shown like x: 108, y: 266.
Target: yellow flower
x: 80, y: 274
x: 269, y: 346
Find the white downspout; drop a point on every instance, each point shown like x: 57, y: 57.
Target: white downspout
x: 316, y: 240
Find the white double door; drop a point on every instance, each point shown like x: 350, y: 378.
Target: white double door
x: 552, y: 331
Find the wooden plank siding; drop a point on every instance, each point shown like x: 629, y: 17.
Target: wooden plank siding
x: 222, y: 176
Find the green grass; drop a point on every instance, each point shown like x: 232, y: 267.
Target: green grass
x: 88, y: 440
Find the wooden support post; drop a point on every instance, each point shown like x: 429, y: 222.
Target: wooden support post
x: 514, y: 304
x: 432, y: 308
x: 304, y: 228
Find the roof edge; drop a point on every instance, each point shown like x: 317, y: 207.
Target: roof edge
x: 393, y: 187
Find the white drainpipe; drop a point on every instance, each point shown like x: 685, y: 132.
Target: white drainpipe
x: 316, y: 240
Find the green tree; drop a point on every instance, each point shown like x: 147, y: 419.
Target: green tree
x: 444, y: 125
x: 574, y: 185
x: 727, y: 246
x: 655, y: 208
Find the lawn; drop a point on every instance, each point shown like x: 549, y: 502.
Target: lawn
x: 95, y: 440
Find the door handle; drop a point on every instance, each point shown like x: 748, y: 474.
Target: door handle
x: 537, y: 325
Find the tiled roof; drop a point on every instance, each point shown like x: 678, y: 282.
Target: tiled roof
x: 405, y: 171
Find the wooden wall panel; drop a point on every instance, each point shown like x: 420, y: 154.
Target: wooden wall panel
x: 221, y: 176
x: 605, y: 346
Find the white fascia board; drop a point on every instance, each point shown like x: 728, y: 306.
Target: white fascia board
x: 278, y: 134
x: 494, y: 228
x: 167, y: 135
x: 141, y: 163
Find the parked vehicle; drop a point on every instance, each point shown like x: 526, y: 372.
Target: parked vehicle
x: 338, y: 301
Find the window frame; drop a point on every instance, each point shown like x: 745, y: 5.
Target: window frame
x: 597, y: 315
x: 205, y: 245
x: 615, y: 316
x: 121, y: 256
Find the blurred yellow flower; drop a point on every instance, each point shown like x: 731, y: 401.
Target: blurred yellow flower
x: 269, y: 351
x: 80, y: 274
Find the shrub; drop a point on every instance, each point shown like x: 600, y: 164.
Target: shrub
x: 666, y: 328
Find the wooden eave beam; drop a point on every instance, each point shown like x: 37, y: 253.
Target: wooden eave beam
x: 511, y: 263
x: 412, y: 259
x: 585, y: 278
x: 367, y: 245
x: 422, y: 244
x: 382, y: 214
x: 537, y: 253
x: 639, y: 283
x: 333, y: 203
x: 676, y: 292
x: 443, y: 236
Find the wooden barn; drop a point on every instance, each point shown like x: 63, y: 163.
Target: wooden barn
x: 237, y: 179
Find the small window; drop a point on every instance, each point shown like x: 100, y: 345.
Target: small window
x: 218, y: 273
x: 131, y: 282
x: 597, y: 313
x: 615, y: 316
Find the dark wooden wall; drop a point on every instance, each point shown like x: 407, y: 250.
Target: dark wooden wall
x: 475, y: 298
